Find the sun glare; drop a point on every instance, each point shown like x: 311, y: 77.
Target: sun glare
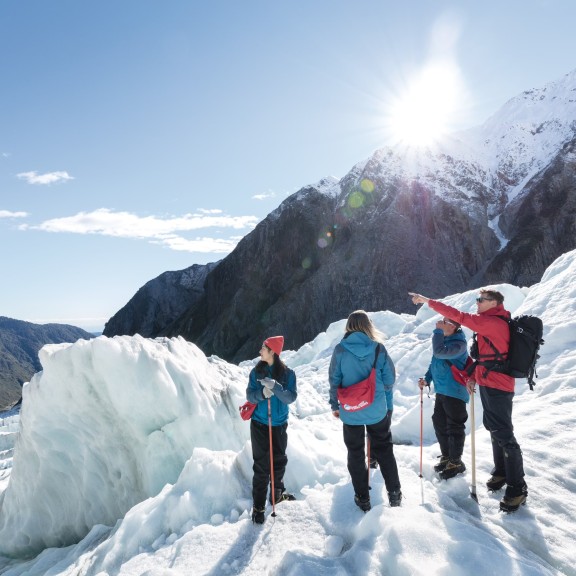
x: 426, y: 110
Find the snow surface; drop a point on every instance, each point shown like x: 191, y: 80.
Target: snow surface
x: 129, y: 458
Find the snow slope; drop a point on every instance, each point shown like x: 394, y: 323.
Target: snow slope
x: 131, y: 459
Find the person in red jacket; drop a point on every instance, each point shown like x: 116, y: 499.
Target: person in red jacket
x: 496, y: 391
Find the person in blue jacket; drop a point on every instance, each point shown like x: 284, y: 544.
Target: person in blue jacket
x: 273, y: 384
x: 351, y: 362
x: 449, y: 418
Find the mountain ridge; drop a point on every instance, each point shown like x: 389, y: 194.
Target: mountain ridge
x: 494, y: 203
x: 20, y: 342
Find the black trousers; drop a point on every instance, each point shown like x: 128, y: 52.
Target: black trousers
x: 449, y: 419
x: 508, y: 462
x: 259, y: 435
x: 381, y: 448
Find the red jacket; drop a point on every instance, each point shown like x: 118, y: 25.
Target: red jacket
x: 485, y: 324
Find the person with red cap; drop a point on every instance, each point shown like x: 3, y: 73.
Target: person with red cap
x: 271, y: 382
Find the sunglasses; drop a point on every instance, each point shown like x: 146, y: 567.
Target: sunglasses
x: 481, y: 299
x: 449, y: 322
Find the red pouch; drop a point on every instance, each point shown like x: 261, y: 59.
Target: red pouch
x: 360, y: 395
x: 246, y: 410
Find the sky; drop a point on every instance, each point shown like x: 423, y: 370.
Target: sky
x: 138, y: 137
x: 129, y: 458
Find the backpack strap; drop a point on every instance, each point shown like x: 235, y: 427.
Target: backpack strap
x: 376, y: 354
x: 493, y: 361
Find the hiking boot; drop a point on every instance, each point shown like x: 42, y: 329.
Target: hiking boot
x: 258, y: 516
x: 373, y: 463
x: 442, y: 464
x: 282, y: 496
x: 514, y: 497
x: 453, y: 469
x: 395, y: 498
x: 495, y: 482
x: 363, y: 502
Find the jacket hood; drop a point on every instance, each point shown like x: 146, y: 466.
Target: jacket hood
x: 497, y: 311
x: 359, y: 344
x: 456, y: 336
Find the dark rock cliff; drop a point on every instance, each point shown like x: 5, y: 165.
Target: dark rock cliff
x: 430, y: 220
x: 540, y: 222
x: 159, y: 302
x: 319, y: 257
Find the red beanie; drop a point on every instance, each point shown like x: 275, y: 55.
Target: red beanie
x: 275, y: 343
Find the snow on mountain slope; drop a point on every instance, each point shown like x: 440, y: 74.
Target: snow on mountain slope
x: 491, y: 162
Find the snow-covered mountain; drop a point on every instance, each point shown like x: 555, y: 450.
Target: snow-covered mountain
x: 129, y: 458
x: 492, y: 204
x: 492, y: 162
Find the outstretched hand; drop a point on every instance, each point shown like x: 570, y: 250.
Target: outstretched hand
x: 418, y: 298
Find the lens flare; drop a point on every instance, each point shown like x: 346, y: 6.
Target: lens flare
x: 428, y: 108
x: 326, y: 238
x: 367, y: 186
x: 356, y: 199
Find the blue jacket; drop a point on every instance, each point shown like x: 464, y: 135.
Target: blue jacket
x: 285, y: 392
x: 352, y: 362
x: 447, y: 350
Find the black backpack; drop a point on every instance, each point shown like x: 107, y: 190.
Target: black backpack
x: 520, y: 359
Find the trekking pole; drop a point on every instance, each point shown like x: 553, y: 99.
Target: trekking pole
x: 473, y: 446
x: 421, y: 426
x: 271, y: 458
x: 368, y: 458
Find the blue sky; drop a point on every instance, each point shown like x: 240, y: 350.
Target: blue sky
x: 141, y: 136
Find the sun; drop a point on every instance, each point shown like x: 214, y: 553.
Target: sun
x: 426, y: 110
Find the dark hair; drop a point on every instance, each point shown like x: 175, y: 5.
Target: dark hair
x: 493, y: 295
x: 278, y: 368
x: 457, y: 325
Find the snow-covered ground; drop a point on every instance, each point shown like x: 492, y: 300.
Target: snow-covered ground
x: 130, y: 458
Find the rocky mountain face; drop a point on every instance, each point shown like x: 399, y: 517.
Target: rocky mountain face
x: 540, y: 222
x: 322, y: 256
x: 19, y: 345
x: 494, y: 204
x: 159, y: 302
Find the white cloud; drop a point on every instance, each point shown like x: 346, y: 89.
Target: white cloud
x: 157, y: 230
x: 48, y: 178
x: 8, y: 214
x: 204, y: 245
x: 264, y: 196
